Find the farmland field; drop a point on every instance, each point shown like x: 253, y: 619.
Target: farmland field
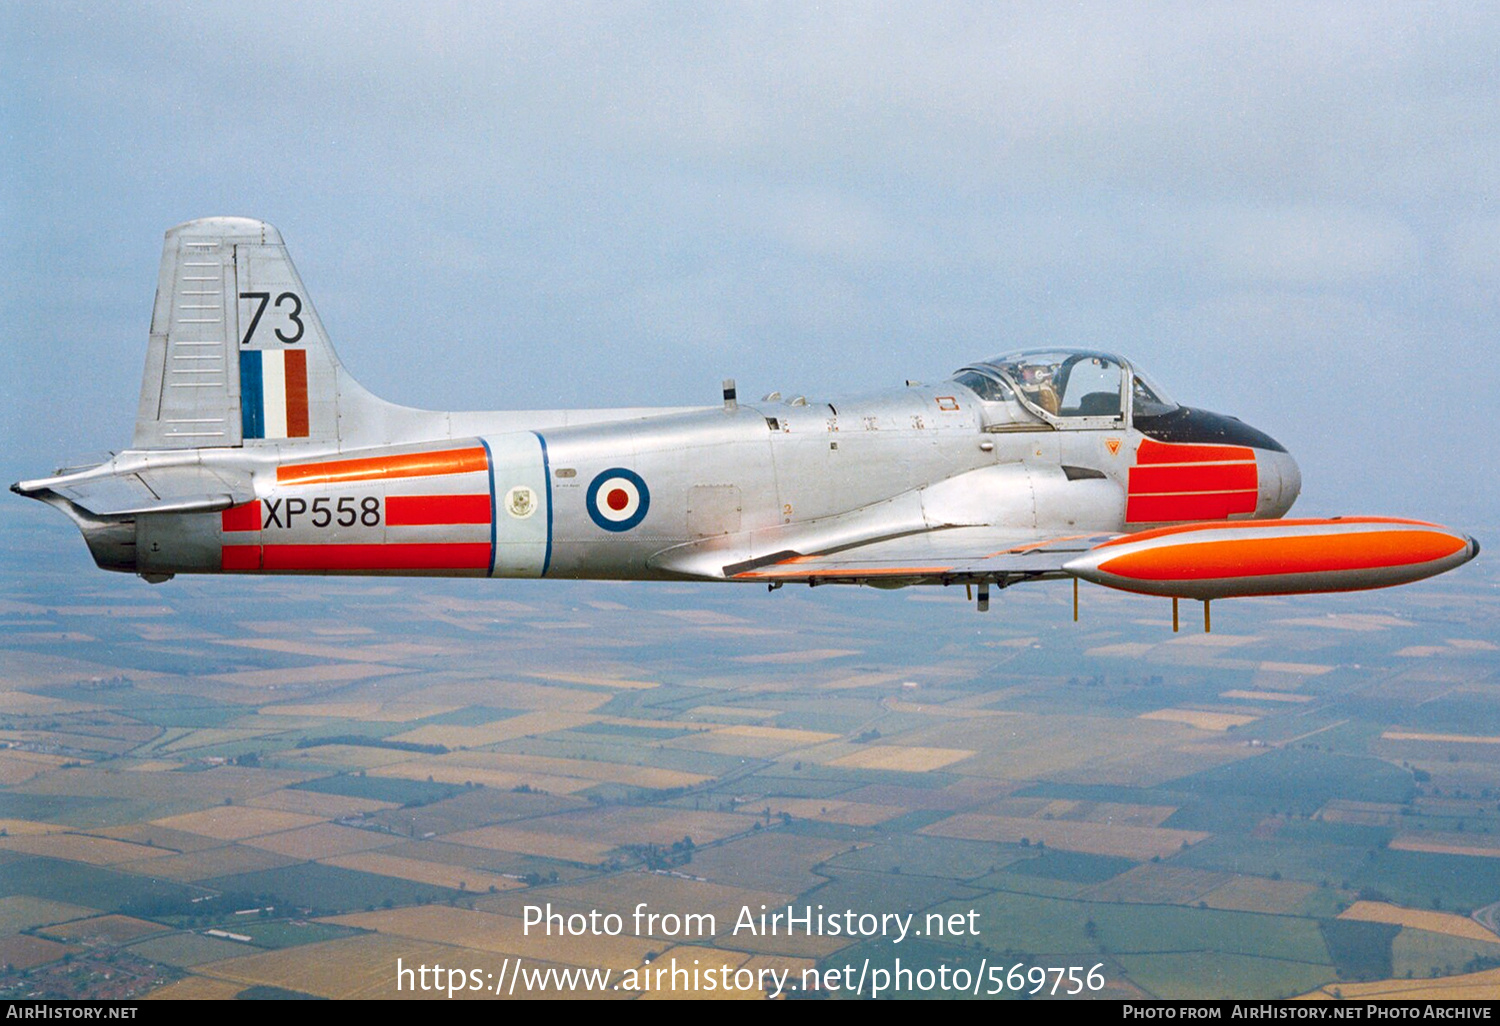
x: 350, y: 772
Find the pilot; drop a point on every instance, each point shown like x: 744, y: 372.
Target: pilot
x: 1036, y: 381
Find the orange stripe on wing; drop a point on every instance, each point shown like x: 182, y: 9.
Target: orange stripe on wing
x: 1263, y: 557
x: 1242, y: 525
x: 371, y: 468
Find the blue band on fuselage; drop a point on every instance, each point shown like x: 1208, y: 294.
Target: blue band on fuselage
x: 547, y: 475
x: 489, y: 466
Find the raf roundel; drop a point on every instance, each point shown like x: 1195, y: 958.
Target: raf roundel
x: 618, y: 499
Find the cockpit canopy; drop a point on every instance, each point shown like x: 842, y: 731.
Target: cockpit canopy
x: 1067, y: 387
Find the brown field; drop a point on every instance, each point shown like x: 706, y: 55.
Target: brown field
x: 1265, y: 696
x: 1431, y: 843
x: 209, y: 736
x: 96, y: 851
x: 18, y: 912
x: 112, y: 929
x: 1095, y: 838
x: 22, y: 952
x: 1258, y: 894
x: 622, y: 892
x: 34, y: 669
x: 1433, y: 922
x: 1463, y: 739
x: 23, y: 703
x: 438, y: 874
x: 1080, y: 811
x: 1360, y: 813
x: 346, y: 653
x: 1157, y: 884
x: 29, y: 826
x: 703, y: 617
x: 769, y: 861
x: 323, y: 840
x: 203, y: 865
x: 234, y: 822
x: 1296, y: 669
x: 19, y: 767
x: 827, y: 810
x: 528, y: 842
x: 689, y: 957
x: 154, y: 766
x: 636, y: 825
x: 516, y: 695
x: 160, y: 837
x: 808, y: 656
x: 1481, y: 986
x: 305, y: 676
x: 348, y: 757
x: 315, y: 803
x: 504, y: 935
x: 529, y: 767
x: 732, y: 712
x: 448, y: 771
x: 898, y: 757
x: 377, y: 712
x: 1122, y: 650
x: 1024, y: 746
x: 1474, y: 645
x: 345, y: 968
x: 598, y: 682
x: 526, y: 724
x: 197, y: 988
x: 751, y: 741
x: 1200, y: 719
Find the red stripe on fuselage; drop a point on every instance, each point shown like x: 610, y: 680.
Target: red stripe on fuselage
x: 1156, y: 509
x: 1201, y: 477
x: 240, y: 558
x: 437, y: 556
x: 419, y: 510
x: 1152, y: 451
x: 241, y: 518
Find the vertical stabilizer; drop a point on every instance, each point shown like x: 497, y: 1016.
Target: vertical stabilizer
x: 238, y: 356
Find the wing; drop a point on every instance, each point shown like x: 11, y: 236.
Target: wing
x: 960, y: 555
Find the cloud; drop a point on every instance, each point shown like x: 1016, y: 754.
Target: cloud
x: 582, y: 204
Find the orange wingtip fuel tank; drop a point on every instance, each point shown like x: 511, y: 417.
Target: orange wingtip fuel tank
x: 1274, y: 557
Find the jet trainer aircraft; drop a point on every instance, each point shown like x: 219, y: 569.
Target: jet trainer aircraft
x: 256, y: 452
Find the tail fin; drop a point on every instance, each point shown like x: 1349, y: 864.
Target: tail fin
x: 238, y: 356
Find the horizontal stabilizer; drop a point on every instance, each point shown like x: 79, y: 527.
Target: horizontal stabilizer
x: 106, y: 491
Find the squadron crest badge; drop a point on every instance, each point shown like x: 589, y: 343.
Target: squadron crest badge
x: 520, y: 502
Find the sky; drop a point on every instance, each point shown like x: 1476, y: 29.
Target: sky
x: 1286, y: 212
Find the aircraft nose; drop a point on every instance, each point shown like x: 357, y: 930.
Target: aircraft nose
x: 1281, y: 483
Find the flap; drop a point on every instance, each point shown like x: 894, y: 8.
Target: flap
x: 959, y: 555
